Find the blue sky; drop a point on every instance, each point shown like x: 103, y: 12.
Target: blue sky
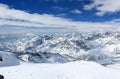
x: 61, y: 8
x: 79, y: 14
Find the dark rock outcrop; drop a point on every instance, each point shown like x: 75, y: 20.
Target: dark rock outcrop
x: 1, y: 77
x: 1, y: 58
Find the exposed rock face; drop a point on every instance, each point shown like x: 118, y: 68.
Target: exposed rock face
x: 1, y: 77
x: 1, y: 58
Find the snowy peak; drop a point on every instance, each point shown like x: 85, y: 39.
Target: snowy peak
x: 99, y: 47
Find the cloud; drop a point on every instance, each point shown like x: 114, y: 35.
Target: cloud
x: 115, y: 21
x: 89, y: 6
x: 10, y: 16
x: 100, y: 13
x: 59, y: 8
x: 62, y: 14
x: 104, y: 6
x: 76, y: 11
x: 18, y: 16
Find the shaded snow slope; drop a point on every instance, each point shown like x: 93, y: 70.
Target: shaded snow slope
x: 8, y: 59
x: 71, y: 70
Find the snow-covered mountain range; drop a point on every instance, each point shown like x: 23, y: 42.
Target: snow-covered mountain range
x: 103, y: 48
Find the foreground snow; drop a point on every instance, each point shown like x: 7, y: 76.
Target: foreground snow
x: 71, y: 70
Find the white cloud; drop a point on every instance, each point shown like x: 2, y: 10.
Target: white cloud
x: 89, y: 7
x: 17, y: 15
x: 116, y: 20
x: 59, y: 8
x: 76, y: 11
x: 100, y: 13
x: 21, y: 18
x: 63, y: 14
x: 104, y: 6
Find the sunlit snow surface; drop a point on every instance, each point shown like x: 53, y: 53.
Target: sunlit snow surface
x: 71, y: 70
x: 60, y: 56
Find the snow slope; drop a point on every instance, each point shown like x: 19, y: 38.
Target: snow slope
x: 71, y: 70
x: 8, y: 59
x: 12, y: 68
